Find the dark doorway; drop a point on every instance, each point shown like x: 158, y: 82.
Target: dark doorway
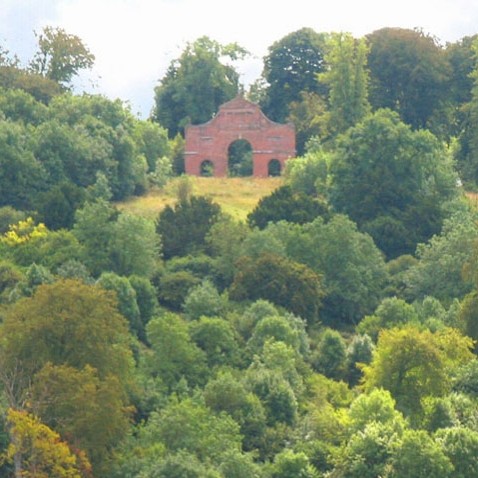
x: 274, y: 168
x: 240, y: 158
x: 207, y: 168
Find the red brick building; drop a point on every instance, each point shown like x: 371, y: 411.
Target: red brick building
x: 207, y: 145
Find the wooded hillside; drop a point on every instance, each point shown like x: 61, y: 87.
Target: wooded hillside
x: 321, y: 324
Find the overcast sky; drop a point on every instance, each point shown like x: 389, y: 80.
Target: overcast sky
x: 135, y: 40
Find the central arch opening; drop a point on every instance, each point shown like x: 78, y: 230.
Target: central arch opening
x: 239, y: 158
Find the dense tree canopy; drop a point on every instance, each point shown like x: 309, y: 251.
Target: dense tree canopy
x: 409, y: 74
x: 196, y: 84
x: 290, y: 68
x: 392, y: 181
x: 297, y: 342
x: 183, y: 227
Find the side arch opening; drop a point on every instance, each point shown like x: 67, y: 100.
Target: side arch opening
x: 207, y: 168
x: 274, y: 168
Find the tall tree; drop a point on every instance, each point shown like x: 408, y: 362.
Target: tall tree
x: 409, y: 73
x: 38, y: 452
x: 290, y: 68
x: 392, y: 181
x: 60, y: 55
x: 183, y: 227
x: 66, y: 356
x: 413, y: 364
x: 347, y: 78
x: 196, y: 84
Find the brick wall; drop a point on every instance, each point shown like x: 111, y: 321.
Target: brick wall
x: 238, y: 119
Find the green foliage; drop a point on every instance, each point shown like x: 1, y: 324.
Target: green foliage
x: 460, y: 445
x: 181, y: 465
x: 231, y: 388
x: 226, y: 393
x: 347, y: 79
x: 329, y: 356
x: 174, y: 354
x: 162, y: 173
x: 253, y: 314
x: 466, y: 379
x: 190, y: 426
x: 200, y: 265
x: 376, y: 407
x: 21, y: 174
x: 126, y: 297
x: 290, y: 464
x: 309, y: 116
x: 275, y: 392
x: 183, y: 228
x: 10, y: 276
x: 88, y: 410
x: 53, y: 250
x: 392, y: 180
x: 442, y: 260
x: 392, y: 312
x: 413, y: 363
x: 281, y: 281
x: 10, y: 216
x: 240, y: 158
x: 146, y: 297
x: 467, y: 316
x: 41, y: 88
x: 34, y: 276
x: 204, y: 300
x: 66, y: 356
x: 94, y: 226
x: 134, y: 245
x: 290, y: 68
x: 217, y: 339
x: 18, y: 105
x: 67, y: 323
x: 174, y: 288
x: 223, y: 242
x: 283, y: 205
x: 367, y: 454
x: 353, y: 269
x: 408, y: 73
x: 359, y: 351
x: 152, y: 142
x: 277, y: 328
x: 308, y: 174
x: 418, y: 456
x: 56, y: 208
x: 196, y: 84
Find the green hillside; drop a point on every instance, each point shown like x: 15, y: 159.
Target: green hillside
x: 236, y: 196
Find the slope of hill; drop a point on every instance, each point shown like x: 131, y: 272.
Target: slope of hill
x: 236, y: 196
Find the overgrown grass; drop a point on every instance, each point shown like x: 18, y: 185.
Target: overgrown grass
x: 236, y: 196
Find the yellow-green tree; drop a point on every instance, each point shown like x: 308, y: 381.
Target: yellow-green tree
x: 65, y: 354
x: 38, y: 452
x: 413, y: 364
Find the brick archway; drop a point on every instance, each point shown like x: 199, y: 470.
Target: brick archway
x: 238, y: 119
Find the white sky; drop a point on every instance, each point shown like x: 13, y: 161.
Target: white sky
x: 135, y: 40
